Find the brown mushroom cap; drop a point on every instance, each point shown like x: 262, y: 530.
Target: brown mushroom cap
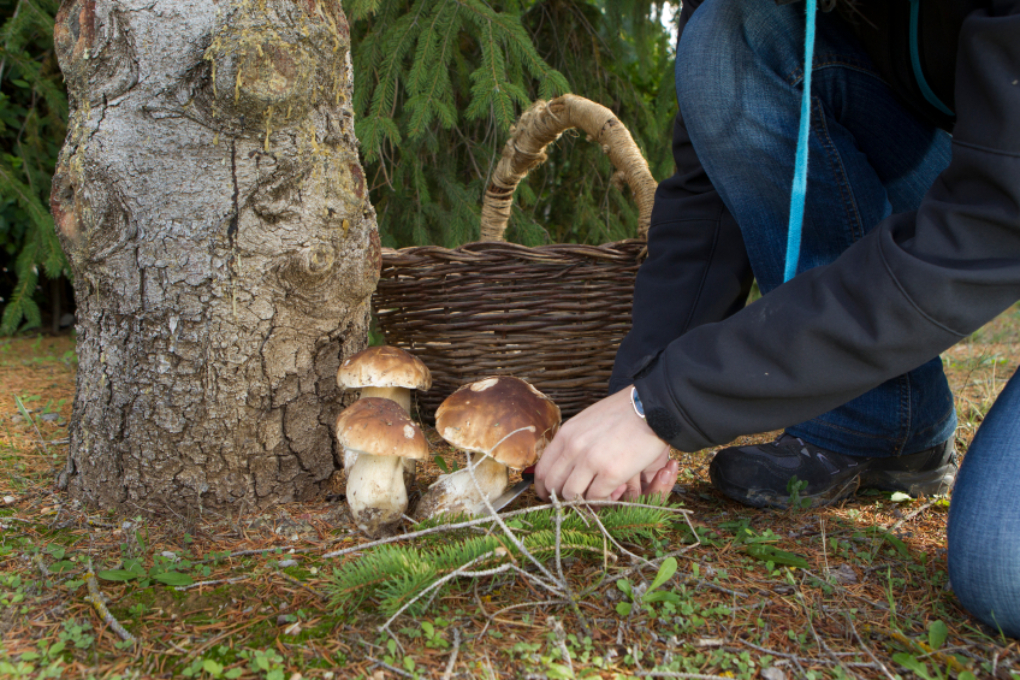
x: 384, y: 366
x: 481, y: 416
x: 380, y: 427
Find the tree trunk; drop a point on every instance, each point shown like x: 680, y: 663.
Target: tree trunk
x: 210, y: 199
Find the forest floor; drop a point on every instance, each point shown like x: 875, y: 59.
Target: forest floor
x: 854, y: 590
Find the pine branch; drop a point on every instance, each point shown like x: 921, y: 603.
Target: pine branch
x: 398, y: 575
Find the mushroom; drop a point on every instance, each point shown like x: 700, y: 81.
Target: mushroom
x: 386, y: 372
x: 382, y: 436
x: 504, y: 422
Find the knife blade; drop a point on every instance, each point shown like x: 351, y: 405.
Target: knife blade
x: 511, y: 494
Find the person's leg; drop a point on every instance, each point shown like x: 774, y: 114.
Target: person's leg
x: 739, y: 73
x: 984, y: 518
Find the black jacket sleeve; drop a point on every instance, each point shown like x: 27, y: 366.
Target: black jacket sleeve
x: 697, y: 269
x: 914, y: 286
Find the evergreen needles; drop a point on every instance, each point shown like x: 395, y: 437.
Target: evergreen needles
x: 439, y: 83
x: 395, y: 575
x: 33, y: 111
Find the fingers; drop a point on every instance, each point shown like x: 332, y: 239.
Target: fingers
x: 546, y: 474
x: 663, y: 481
x: 618, y: 493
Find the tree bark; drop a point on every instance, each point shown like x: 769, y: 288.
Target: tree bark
x: 211, y: 202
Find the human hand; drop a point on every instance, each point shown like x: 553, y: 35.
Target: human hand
x: 606, y: 451
x: 655, y: 480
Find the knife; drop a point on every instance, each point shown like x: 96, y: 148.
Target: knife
x: 511, y: 494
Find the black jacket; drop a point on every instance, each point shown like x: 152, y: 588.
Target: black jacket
x: 709, y: 370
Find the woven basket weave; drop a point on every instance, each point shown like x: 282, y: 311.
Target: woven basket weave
x: 553, y: 315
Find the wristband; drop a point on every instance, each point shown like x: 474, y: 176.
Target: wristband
x: 635, y: 401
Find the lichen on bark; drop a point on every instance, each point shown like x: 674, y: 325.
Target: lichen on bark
x: 212, y: 205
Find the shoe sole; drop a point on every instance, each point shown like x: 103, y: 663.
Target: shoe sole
x: 766, y: 498
x: 931, y: 483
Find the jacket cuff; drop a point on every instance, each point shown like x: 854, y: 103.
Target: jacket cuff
x: 661, y: 412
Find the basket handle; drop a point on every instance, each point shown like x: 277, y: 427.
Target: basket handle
x: 541, y: 125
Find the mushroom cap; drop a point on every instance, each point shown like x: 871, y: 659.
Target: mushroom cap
x: 503, y: 417
x: 380, y: 427
x: 384, y: 366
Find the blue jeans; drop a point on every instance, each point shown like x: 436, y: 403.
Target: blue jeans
x: 739, y: 70
x: 984, y: 518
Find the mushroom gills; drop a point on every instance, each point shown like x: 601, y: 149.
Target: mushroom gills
x: 456, y: 492
x: 376, y: 493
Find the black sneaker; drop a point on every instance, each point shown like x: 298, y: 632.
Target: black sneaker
x: 760, y: 475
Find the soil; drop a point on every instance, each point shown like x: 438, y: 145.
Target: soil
x: 872, y: 601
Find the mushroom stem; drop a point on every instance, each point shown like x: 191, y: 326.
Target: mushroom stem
x: 410, y: 467
x: 457, y: 493
x: 401, y: 395
x: 376, y: 493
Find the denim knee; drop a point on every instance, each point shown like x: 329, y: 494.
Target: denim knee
x: 984, y: 565
x: 984, y: 518
x: 728, y: 54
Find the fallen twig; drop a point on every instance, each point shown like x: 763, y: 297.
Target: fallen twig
x: 394, y: 669
x: 506, y: 530
x: 485, y: 520
x: 687, y: 676
x: 492, y: 617
x: 460, y: 571
x: 564, y: 583
x: 217, y: 582
x: 912, y: 514
x: 448, y: 673
x: 867, y: 649
x: 321, y: 596
x: 798, y: 659
x: 96, y: 599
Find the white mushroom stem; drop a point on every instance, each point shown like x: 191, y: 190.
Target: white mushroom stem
x: 457, y: 493
x: 376, y: 493
x: 410, y: 466
x: 401, y: 395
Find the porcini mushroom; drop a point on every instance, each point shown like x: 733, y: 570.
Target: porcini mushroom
x: 501, y: 422
x: 382, y: 436
x: 385, y: 372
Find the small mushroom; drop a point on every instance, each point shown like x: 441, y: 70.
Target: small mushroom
x: 382, y: 436
x: 385, y: 372
x: 501, y: 422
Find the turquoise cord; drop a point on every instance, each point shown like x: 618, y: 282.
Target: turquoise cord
x: 799, y: 192
x: 915, y: 62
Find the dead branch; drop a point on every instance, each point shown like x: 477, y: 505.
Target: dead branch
x: 448, y: 673
x: 95, y: 598
x: 506, y: 515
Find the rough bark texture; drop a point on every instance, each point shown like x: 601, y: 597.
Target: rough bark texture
x: 211, y: 202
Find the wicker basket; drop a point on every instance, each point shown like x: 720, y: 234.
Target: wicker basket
x: 553, y: 315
